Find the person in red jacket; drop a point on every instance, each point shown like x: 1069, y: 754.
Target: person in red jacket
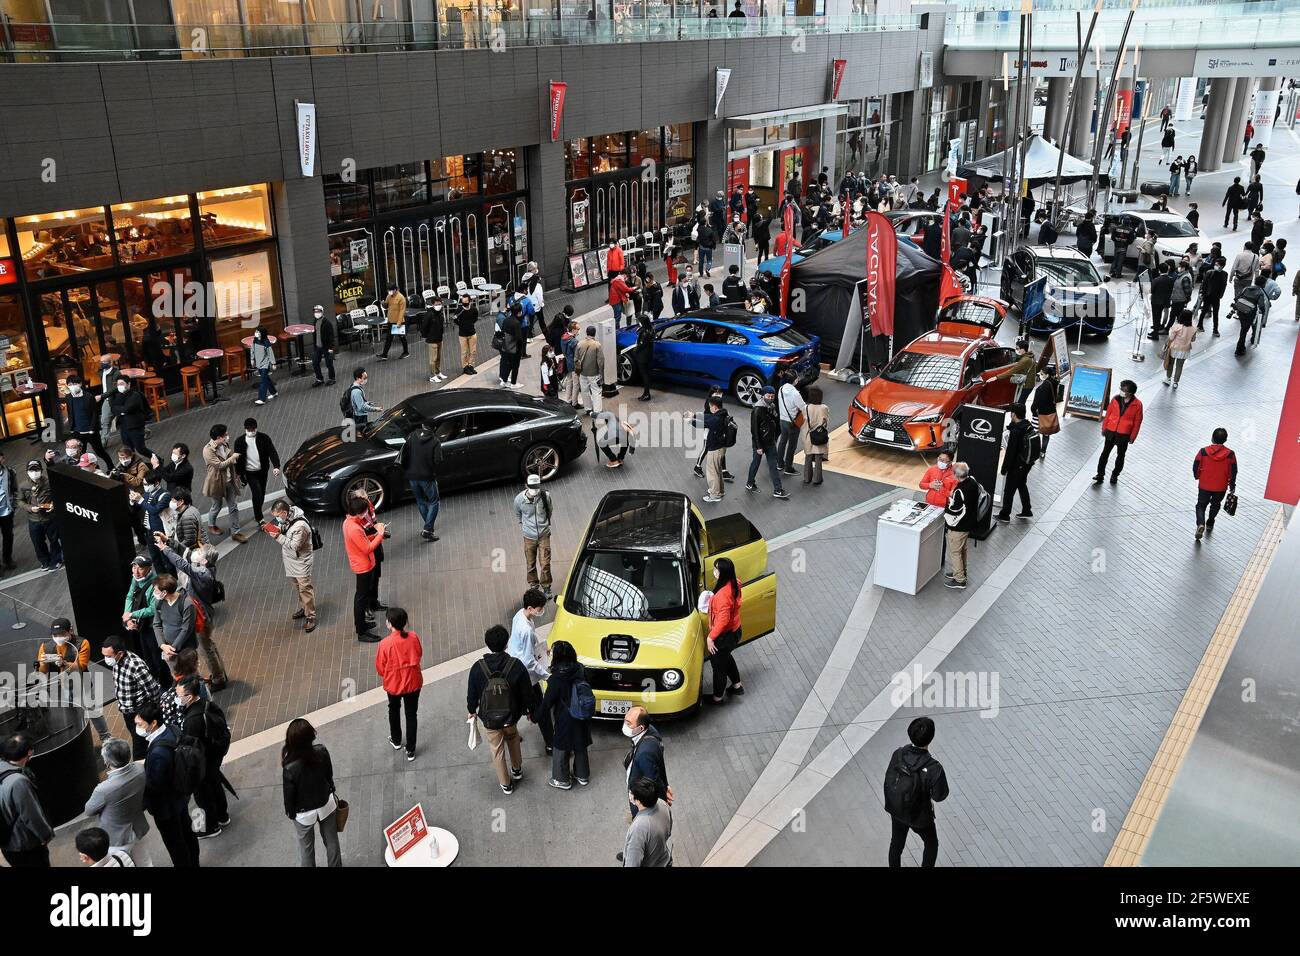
x: 361, y: 541
x: 398, y: 664
x: 939, y: 481
x: 620, y: 298
x: 616, y: 262
x: 1120, y: 429
x: 1215, y: 470
x: 724, y: 631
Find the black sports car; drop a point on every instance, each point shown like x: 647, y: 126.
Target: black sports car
x: 487, y: 435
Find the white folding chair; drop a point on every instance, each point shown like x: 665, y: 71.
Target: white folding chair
x: 652, y: 246
x: 478, y: 282
x: 360, y: 330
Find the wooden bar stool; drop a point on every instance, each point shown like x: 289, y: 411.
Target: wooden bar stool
x: 155, y: 393
x: 192, y: 384
x: 236, y: 363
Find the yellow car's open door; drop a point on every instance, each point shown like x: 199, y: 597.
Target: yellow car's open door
x: 735, y: 537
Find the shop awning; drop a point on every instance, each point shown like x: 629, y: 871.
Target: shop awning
x: 781, y: 117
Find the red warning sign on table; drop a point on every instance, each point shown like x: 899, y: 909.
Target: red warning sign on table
x: 406, y: 831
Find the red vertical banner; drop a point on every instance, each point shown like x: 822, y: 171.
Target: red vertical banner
x: 949, y: 288
x: 558, y: 90
x: 837, y: 77
x: 882, y: 273
x: 1284, y: 471
x: 1123, y: 110
x: 787, y: 220
x: 737, y: 175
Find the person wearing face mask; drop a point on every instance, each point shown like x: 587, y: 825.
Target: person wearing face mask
x: 293, y: 532
x: 498, y: 692
x: 325, y: 338
x: 131, y: 412
x: 130, y: 470
x: 38, y: 502
x: 83, y: 415
x: 184, y: 523
x: 168, y: 806
x: 939, y: 481
x: 1119, y: 429
x: 764, y: 430
x: 29, y: 832
x: 69, y: 654
x: 531, y: 651
x: 1043, y: 408
x: 199, y: 565
x: 645, y: 757
x: 134, y: 685
x: 8, y: 502
x: 533, y: 511
x: 466, y: 331
x: 109, y: 373
x: 156, y: 503
x: 117, y: 802
x: 263, y: 363
x: 177, y: 471
x: 255, y: 457
x: 73, y: 450
x: 433, y: 325
x: 138, y: 610
x: 174, y: 618
x: 221, y: 484
x: 204, y: 721
x: 724, y: 631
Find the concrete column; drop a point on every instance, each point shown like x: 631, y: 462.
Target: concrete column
x: 1085, y: 97
x: 304, y: 247
x: 1058, y: 98
x: 910, y: 147
x: 547, y: 223
x: 1210, y: 156
x: 1266, y: 109
x: 827, y: 151
x: 711, y: 160
x: 1236, y: 131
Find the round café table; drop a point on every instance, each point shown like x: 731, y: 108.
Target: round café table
x: 377, y: 322
x: 298, y: 330
x: 133, y: 373
x: 492, y: 290
x: 213, y: 357
x: 248, y: 340
x: 32, y: 390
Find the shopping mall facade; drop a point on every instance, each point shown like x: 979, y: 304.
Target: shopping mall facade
x: 131, y: 163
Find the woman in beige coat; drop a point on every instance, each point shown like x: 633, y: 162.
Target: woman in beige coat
x: 817, y: 416
x: 1178, y: 347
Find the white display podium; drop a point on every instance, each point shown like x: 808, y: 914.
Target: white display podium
x: 909, y: 545
x: 439, y: 848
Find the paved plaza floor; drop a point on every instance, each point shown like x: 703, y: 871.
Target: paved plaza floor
x: 1091, y: 618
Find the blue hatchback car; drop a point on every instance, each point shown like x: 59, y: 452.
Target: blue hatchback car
x: 739, y: 351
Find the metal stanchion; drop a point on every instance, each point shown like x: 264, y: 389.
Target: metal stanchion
x: 18, y: 623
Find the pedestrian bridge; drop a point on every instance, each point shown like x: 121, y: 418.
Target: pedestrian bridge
x: 1176, y: 37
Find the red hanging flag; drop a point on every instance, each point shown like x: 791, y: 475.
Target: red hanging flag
x: 949, y: 287
x: 558, y: 91
x: 882, y: 273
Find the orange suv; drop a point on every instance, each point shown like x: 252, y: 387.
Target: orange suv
x: 908, y: 405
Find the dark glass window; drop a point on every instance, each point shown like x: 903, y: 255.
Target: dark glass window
x: 577, y: 158
x: 501, y: 172
x: 400, y: 187
x: 344, y: 201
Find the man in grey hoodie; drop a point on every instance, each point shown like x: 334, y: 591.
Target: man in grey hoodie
x: 29, y: 831
x: 650, y: 837
x: 533, y: 510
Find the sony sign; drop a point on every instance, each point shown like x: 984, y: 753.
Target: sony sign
x: 81, y: 512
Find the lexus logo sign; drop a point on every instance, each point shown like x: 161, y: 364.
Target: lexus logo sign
x: 981, y: 426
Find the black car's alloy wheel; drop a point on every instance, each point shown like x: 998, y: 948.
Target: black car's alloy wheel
x: 543, y: 459
x: 373, y: 486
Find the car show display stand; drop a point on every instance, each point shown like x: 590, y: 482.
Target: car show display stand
x: 909, y: 545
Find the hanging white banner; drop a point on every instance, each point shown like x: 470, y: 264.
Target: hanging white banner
x: 721, y: 80
x: 306, y: 137
x: 1185, y: 105
x: 1262, y: 116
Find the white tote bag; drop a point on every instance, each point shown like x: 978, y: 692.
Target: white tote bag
x: 473, y: 731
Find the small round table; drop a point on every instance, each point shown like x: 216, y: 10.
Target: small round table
x: 298, y: 330
x: 213, y: 356
x: 248, y: 340
x: 133, y: 373
x: 377, y: 322
x: 422, y: 853
x: 492, y: 290
x: 33, y: 390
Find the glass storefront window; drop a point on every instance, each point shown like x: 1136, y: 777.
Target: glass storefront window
x: 352, y: 269
x: 345, y: 201
x: 223, y: 33
x: 236, y: 214
x: 15, y: 366
x: 64, y: 243
x: 153, y: 229
x: 646, y: 144
x: 400, y: 187
x: 247, y: 292
x: 746, y: 138
x: 455, y: 177
x: 679, y: 141
x: 501, y: 172
x: 577, y: 158
x: 609, y: 152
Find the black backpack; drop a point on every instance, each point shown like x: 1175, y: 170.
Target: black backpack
x: 189, y: 764
x: 1268, y: 227
x: 345, y: 401
x: 496, y: 703
x: 729, y: 432
x: 217, y: 729
x: 316, y: 541
x: 905, y: 788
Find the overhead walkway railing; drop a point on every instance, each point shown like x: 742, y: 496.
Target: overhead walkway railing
x: 73, y: 42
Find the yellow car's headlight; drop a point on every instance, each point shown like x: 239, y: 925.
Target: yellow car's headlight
x: 672, y: 679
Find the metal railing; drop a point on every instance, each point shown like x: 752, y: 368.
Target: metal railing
x: 71, y: 42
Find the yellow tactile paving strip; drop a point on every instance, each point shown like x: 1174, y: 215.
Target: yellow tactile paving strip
x: 1141, y: 819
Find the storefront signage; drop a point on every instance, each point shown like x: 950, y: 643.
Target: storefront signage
x: 1056, y: 63
x: 720, y: 81
x: 578, y: 270
x: 957, y: 188
x: 1262, y: 116
x: 837, y: 77
x: 580, y: 207
x: 1284, y: 471
x: 927, y: 69
x: 1246, y: 62
x: 406, y: 831
x: 349, y: 291
x: 306, y: 137
x: 979, y: 442
x: 359, y: 253
x: 679, y: 180
x: 1089, y: 392
x: 558, y: 92
x: 8, y: 272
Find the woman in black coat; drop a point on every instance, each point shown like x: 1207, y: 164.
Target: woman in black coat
x: 309, y: 799
x: 572, y: 736
x: 1043, y: 403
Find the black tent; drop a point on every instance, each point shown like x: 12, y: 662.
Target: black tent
x: 829, y: 281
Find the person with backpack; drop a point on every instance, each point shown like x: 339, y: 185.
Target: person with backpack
x: 914, y: 783
x: 203, y: 724
x: 398, y: 664
x: 498, y: 694
x: 1255, y: 201
x: 165, y: 796
x: 1022, y: 451
x: 1214, y: 285
x: 1215, y: 471
x: 719, y: 428
x: 199, y: 565
x: 530, y: 650
x: 508, y: 340
x: 307, y: 775
x: 353, y: 403
x: 299, y: 542
x: 362, y: 542
x: 1119, y: 429
x: 93, y: 850
x: 961, y: 517
x: 25, y: 833
x: 645, y: 757
x: 569, y: 705
x: 419, y: 459
x: 1248, y: 306
x: 533, y: 510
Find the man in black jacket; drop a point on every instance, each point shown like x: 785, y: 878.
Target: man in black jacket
x: 764, y: 430
x: 1213, y: 287
x: 1017, y: 462
x: 1121, y: 237
x: 255, y: 456
x: 204, y: 721
x: 914, y: 783
x: 325, y: 340
x: 131, y: 412
x: 419, y: 460
x: 961, y: 517
x: 167, y: 805
x: 505, y: 738
x: 431, y: 327
x: 643, y: 353
x: 1162, y: 292
x: 466, y: 325
x: 1234, y: 200
x: 645, y: 758
x: 733, y: 287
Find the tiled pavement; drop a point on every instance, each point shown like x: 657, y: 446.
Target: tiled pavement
x: 1092, y: 658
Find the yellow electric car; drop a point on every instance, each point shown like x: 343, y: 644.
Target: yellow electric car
x: 629, y: 606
